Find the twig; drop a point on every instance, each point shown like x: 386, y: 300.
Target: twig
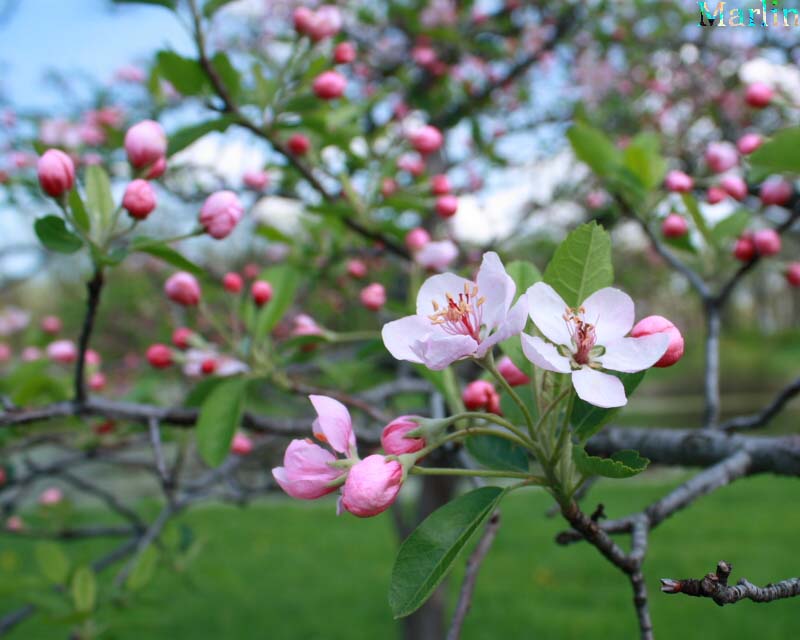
x: 94, y: 287
x: 763, y: 417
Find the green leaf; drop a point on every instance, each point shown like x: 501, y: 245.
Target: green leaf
x: 53, y: 234
x: 212, y: 6
x: 219, y: 417
x: 729, y: 227
x: 185, y: 74
x: 99, y: 200
x: 690, y: 203
x: 201, y: 390
x: 79, y: 211
x: 84, y: 590
x: 511, y: 410
x: 170, y: 256
x: 594, y: 148
x: 428, y: 554
x: 581, y: 264
x: 494, y: 452
x: 778, y: 154
x: 524, y: 274
x: 682, y: 243
x: 587, y: 419
x: 182, y: 138
x: 284, y: 280
x: 52, y: 562
x: 168, y: 4
x: 643, y: 158
x: 143, y: 570
x: 622, y: 464
x: 227, y: 73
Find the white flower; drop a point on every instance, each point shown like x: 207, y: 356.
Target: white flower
x: 587, y: 339
x: 457, y: 318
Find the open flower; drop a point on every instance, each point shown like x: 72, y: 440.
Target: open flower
x: 457, y: 318
x: 585, y: 340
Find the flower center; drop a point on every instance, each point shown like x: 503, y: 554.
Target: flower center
x: 582, y: 334
x: 461, y: 315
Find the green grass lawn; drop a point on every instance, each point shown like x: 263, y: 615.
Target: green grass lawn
x: 293, y: 570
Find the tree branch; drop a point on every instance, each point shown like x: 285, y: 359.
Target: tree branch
x: 94, y: 287
x: 763, y: 417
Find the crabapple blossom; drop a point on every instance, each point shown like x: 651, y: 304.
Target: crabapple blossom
x: 356, y: 268
x: 388, y: 187
x: 97, y: 381
x: 51, y: 324
x: 372, y: 486
x: 305, y: 325
x: 344, y: 53
x: 759, y: 95
x: 145, y: 144
x: 208, y: 366
x: 158, y: 169
x: 426, y: 139
x: 721, y: 156
x: 298, y: 144
x: 323, y: 23
x: 775, y: 190
x: 63, y: 351
x: 715, y: 195
x: 394, y: 440
x: 748, y: 143
x: 674, y: 226
x: 581, y: 341
x: 767, y: 242
x: 329, y: 85
x: 512, y: 374
x: 221, y: 213
x: 261, y: 292
x: 481, y: 394
x: 159, y: 356
x: 793, y: 274
x: 256, y: 180
x: 458, y: 318
x: 744, y: 249
x: 373, y: 296
x: 232, y: 282
x: 241, y: 445
x: 181, y: 337
x: 139, y: 199
x: 678, y: 181
x: 446, y: 206
x: 440, y: 185
x: 413, y: 163
x: 417, y: 238
x: 201, y: 362
x: 735, y: 187
x: 182, y: 287
x: 658, y: 324
x: 436, y: 256
x: 51, y: 496
x: 56, y: 172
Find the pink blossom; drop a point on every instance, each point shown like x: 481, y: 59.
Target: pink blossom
x: 323, y: 23
x: 329, y: 85
x: 139, y: 199
x: 767, y: 242
x: 512, y: 374
x: 182, y: 287
x: 14, y: 523
x: 440, y: 185
x: 373, y: 296
x: 457, y: 318
x: 596, y: 199
x: 793, y: 274
x: 181, y: 337
x: 130, y: 73
x: 481, y: 394
x: 220, y: 213
x: 417, y: 238
x: 372, y: 486
x: 446, y: 206
x: 241, y: 444
x: 256, y: 180
x: 29, y: 354
x: 678, y: 181
x: 97, y: 381
x: 261, y: 292
x: 735, y: 187
x: 715, y: 195
x: 5, y: 352
x: 51, y: 496
x: 394, y: 440
x: 305, y: 325
x: 775, y: 190
x: 583, y: 340
x: 232, y: 282
x: 159, y: 356
x: 145, y: 144
x: 63, y: 351
x: 759, y: 95
x: 56, y: 172
x: 92, y: 357
x: 158, y: 169
x: 51, y: 324
x: 658, y: 324
x: 674, y: 226
x: 436, y: 256
x: 411, y: 162
x: 721, y: 156
x: 356, y: 268
x: 298, y: 144
x: 426, y: 139
x: 344, y: 53
x: 744, y: 249
x: 749, y: 142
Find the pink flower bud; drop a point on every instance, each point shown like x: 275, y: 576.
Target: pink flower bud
x: 373, y: 296
x: 51, y: 324
x: 305, y: 325
x: 181, y: 337
x: 251, y: 270
x: 657, y: 324
x: 233, y: 282
x: 735, y: 187
x: 715, y: 195
x: 437, y: 255
x: 220, y: 213
x: 56, y: 172
x: 678, y: 181
x: 5, y: 352
x: 793, y: 274
x: 261, y: 291
x: 302, y: 18
x: 255, y: 180
x: 158, y: 169
x: 344, y: 53
x: 182, y: 287
x: 596, y: 199
x: 440, y: 185
x: 139, y: 199
x: 748, y: 143
x: 512, y: 374
x: 97, y: 381
x: 417, y: 238
x: 411, y: 162
x: 298, y: 144
x: 393, y: 437
x: 446, y: 206
x: 426, y: 139
x: 356, y: 268
x: 63, y: 351
x: 372, y: 486
x: 145, y: 144
x: 388, y: 187
x: 674, y: 226
x: 325, y: 22
x: 767, y: 242
x: 51, y: 496
x: 775, y: 190
x: 759, y: 95
x: 29, y: 354
x: 480, y: 394
x: 159, y: 356
x: 329, y: 85
x: 721, y: 156
x: 14, y: 523
x: 241, y: 444
x: 744, y: 249
x: 208, y: 366
x: 306, y: 472
x: 92, y: 357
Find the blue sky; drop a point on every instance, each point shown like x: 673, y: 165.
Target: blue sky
x: 92, y: 36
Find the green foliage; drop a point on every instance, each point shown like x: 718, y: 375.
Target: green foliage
x: 284, y: 280
x: 428, y: 554
x: 53, y: 234
x: 83, y: 590
x: 144, y: 569
x: 730, y: 227
x: 493, y: 452
x: 219, y: 417
x: 52, y: 562
x: 228, y: 74
x: 587, y: 419
x: 166, y: 253
x: 778, y: 154
x: 524, y: 274
x: 212, y: 6
x: 182, y: 138
x: 581, y: 264
x: 690, y: 203
x: 99, y: 200
x: 622, y: 464
x: 167, y: 4
x: 594, y: 148
x: 643, y: 158
x: 185, y: 74
x: 78, y: 210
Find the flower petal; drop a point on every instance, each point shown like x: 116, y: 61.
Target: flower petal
x: 438, y: 350
x: 634, y: 354
x: 511, y: 325
x: 334, y: 424
x: 544, y: 355
x: 399, y: 335
x: 436, y: 288
x: 598, y: 388
x: 611, y: 312
x: 498, y: 289
x: 547, y: 312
